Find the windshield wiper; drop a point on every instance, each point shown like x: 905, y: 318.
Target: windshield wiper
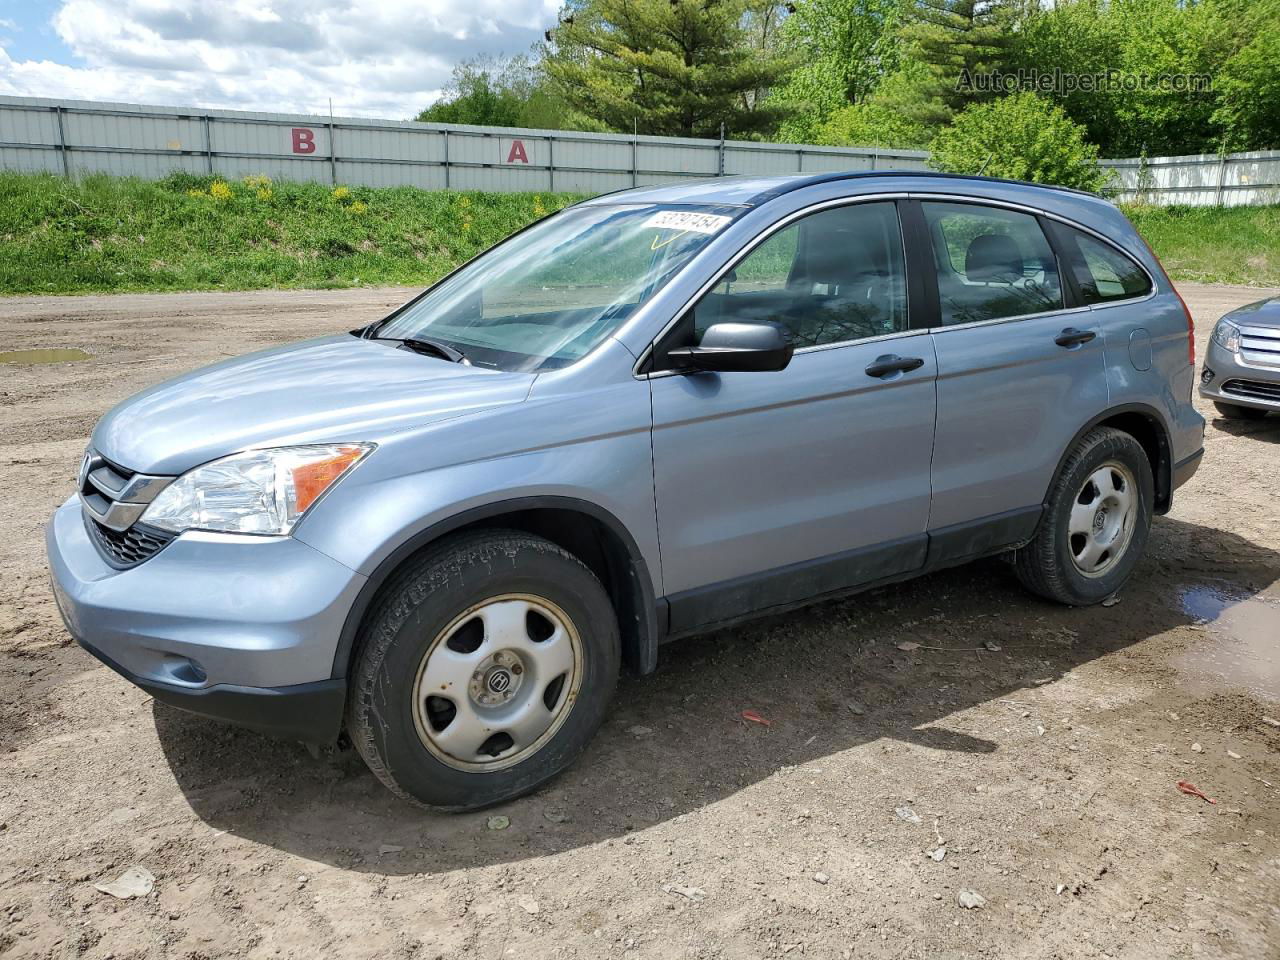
x: 431, y: 348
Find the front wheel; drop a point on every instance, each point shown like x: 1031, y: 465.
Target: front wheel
x: 485, y: 668
x: 1095, y: 524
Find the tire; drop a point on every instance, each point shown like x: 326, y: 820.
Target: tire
x: 474, y: 632
x: 1234, y: 411
x: 1083, y: 568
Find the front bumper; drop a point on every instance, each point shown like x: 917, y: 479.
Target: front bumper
x: 1247, y: 384
x: 241, y: 629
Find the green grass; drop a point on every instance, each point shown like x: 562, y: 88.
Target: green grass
x: 105, y: 234
x: 1208, y: 245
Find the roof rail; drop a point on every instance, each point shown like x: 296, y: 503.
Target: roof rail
x: 801, y: 182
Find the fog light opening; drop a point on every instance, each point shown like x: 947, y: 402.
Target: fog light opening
x: 187, y: 671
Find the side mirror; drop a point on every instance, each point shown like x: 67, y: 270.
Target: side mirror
x: 729, y: 347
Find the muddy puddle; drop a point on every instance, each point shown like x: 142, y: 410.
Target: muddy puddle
x: 60, y: 355
x: 1240, y: 645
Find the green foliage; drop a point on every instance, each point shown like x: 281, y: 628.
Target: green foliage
x: 873, y: 124
x: 914, y: 62
x: 843, y: 48
x: 1232, y: 42
x: 1165, y: 37
x: 959, y: 39
x: 1213, y: 244
x: 503, y: 93
x: 107, y: 235
x: 1022, y: 137
x: 1081, y: 39
x: 201, y: 233
x: 668, y: 67
x: 1249, y: 84
x: 883, y: 120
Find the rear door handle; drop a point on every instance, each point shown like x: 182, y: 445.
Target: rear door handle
x: 892, y: 363
x: 1071, y: 337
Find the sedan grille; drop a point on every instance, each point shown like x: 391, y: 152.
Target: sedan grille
x: 1253, y: 389
x: 112, y: 500
x: 1260, y: 345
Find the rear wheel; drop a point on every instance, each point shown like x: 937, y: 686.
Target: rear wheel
x: 1234, y: 411
x: 486, y: 666
x: 1096, y: 522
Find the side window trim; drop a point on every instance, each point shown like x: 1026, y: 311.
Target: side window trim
x: 1067, y: 256
x: 644, y: 366
x: 924, y: 310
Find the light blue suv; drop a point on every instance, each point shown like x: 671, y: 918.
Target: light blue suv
x: 651, y: 414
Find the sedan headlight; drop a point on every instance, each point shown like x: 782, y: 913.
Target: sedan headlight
x: 258, y: 491
x: 1227, y: 335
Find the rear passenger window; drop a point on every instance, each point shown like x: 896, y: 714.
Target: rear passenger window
x: 1102, y: 272
x: 832, y: 276
x: 992, y: 263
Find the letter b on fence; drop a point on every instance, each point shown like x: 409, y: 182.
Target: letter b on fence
x: 304, y: 140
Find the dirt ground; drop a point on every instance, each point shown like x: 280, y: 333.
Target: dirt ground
x: 1046, y: 768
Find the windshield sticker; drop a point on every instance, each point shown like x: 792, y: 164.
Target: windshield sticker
x: 688, y: 222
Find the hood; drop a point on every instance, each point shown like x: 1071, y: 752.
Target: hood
x: 332, y: 389
x: 1263, y: 313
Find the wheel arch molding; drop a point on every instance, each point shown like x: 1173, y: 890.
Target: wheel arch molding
x: 1147, y: 425
x: 585, y: 529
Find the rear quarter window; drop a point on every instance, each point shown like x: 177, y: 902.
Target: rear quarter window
x: 1102, y: 272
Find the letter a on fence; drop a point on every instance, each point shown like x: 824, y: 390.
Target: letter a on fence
x: 517, y: 153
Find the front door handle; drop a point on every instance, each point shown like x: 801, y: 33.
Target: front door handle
x: 892, y: 363
x: 1071, y: 337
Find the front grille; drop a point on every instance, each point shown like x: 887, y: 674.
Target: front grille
x: 130, y: 547
x: 112, y: 500
x: 1253, y: 389
x: 1260, y: 345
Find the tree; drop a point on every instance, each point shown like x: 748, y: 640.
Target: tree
x: 503, y: 93
x: 1081, y: 39
x: 1248, y: 85
x: 872, y: 124
x: 483, y: 91
x: 881, y: 120
x: 1178, y: 45
x: 843, y: 49
x: 960, y: 41
x: 1022, y: 137
x: 668, y: 67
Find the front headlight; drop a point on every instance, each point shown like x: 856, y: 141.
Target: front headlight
x: 259, y: 491
x: 1227, y: 335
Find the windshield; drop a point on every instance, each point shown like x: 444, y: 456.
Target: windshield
x: 545, y: 297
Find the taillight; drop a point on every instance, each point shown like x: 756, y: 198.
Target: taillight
x: 1191, y: 323
x: 1191, y: 327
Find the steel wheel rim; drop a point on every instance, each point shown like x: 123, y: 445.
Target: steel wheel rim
x: 1102, y: 520
x: 515, y: 675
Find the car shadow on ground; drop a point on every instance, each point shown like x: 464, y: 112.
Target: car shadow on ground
x: 828, y: 678
x: 1267, y: 429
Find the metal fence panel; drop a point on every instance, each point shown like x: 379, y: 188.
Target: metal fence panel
x: 26, y: 160
x: 78, y: 138
x: 1232, y: 180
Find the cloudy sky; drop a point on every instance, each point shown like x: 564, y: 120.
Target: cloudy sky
x: 377, y: 58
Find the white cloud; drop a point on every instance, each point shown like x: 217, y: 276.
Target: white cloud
x: 381, y: 58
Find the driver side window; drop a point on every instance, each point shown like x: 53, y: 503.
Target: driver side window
x: 831, y: 277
